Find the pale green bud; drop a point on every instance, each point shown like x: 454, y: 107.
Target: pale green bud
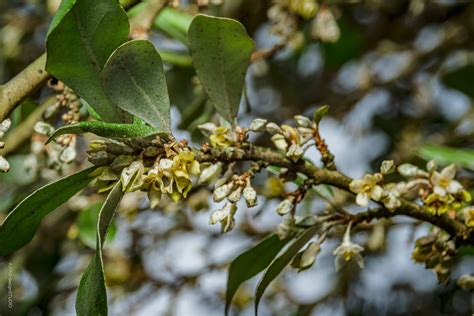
x: 258, y: 125
x: 303, y: 121
x: 294, y: 152
x: 222, y: 192
x: 250, y: 196
x: 408, y: 170
x: 235, y: 195
x: 273, y: 128
x: 431, y: 166
x: 280, y: 142
x: 284, y: 207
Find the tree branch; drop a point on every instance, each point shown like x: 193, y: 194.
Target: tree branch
x: 22, y: 85
x: 455, y: 228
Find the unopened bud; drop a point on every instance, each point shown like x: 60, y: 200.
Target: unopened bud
x: 68, y: 154
x: 4, y: 165
x: 325, y: 26
x: 294, y: 152
x: 222, y: 192
x: 320, y: 113
x: 258, y: 125
x: 387, y: 167
x: 408, y: 170
x: 273, y: 128
x: 5, y: 125
x: 250, y: 196
x: 43, y: 128
x: 284, y: 207
x: 280, y: 142
x: 431, y: 166
x: 303, y: 121
x: 235, y: 195
x: 208, y: 128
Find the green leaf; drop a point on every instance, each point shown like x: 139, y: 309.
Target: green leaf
x: 81, y: 37
x: 110, y: 130
x: 92, y: 294
x: 221, y: 50
x: 447, y: 155
x: 21, y: 224
x: 134, y: 79
x: 281, y: 262
x: 87, y: 226
x: 250, y: 263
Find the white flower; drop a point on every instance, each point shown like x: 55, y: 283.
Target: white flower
x: 348, y: 251
x: 210, y: 173
x: 235, y: 195
x: 225, y: 217
x: 131, y: 176
x: 222, y: 192
x: 367, y: 189
x: 444, y: 182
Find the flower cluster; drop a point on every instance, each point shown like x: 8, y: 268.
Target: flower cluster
x: 219, y: 136
x: 439, y: 191
x: 437, y: 253
x: 4, y: 127
x: 370, y: 187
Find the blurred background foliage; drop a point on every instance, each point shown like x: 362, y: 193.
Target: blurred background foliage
x: 399, y: 76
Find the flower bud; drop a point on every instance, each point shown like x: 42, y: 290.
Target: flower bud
x: 287, y: 228
x: 280, y: 142
x: 5, y: 125
x: 131, y: 175
x: 225, y: 216
x: 294, y: 152
x: 4, y: 165
x: 387, y: 167
x: 235, y: 195
x: 151, y: 152
x: 210, y: 173
x: 303, y: 121
x: 101, y: 158
x: 308, y: 256
x: 68, y: 154
x: 258, y: 125
x: 408, y: 170
x: 222, y: 192
x: 43, y: 128
x: 284, y: 207
x: 320, y: 113
x: 273, y: 128
x: 250, y: 196
x: 325, y: 26
x: 97, y: 145
x: 466, y: 282
x: 431, y: 166
x: 207, y: 129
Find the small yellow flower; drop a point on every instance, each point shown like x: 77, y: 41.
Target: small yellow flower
x: 468, y: 213
x: 222, y: 137
x: 444, y: 182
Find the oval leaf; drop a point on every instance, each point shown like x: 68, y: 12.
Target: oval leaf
x: 250, y: 263
x: 281, y: 262
x: 134, y: 79
x: 21, y: 224
x: 111, y: 130
x: 76, y: 53
x: 221, y: 50
x: 92, y: 294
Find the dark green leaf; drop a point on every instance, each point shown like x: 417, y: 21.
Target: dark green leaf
x: 133, y: 78
x: 111, y: 130
x: 221, y: 50
x: 250, y: 263
x: 81, y: 37
x: 447, y: 155
x: 21, y: 224
x: 281, y: 262
x: 92, y: 294
x: 87, y: 226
